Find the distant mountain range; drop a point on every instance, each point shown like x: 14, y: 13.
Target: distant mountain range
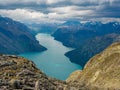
x: 16, y: 38
x: 87, y: 38
x: 42, y: 28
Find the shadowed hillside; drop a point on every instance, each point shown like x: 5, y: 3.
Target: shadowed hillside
x: 88, y: 38
x: 16, y: 38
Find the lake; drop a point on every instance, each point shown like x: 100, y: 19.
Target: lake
x: 52, y: 62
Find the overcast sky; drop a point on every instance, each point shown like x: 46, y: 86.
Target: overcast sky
x: 57, y: 11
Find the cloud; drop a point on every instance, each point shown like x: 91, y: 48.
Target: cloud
x: 69, y: 12
x: 22, y: 13
x: 8, y: 2
x: 91, y: 2
x: 106, y: 20
x: 26, y: 15
x: 65, y: 9
x: 58, y: 14
x: 39, y: 11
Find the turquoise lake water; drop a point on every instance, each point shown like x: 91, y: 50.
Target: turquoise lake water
x: 52, y: 61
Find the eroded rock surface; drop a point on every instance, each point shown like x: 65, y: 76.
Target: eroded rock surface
x: 19, y: 73
x: 101, y: 72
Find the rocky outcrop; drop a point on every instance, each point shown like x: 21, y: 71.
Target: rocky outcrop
x: 19, y: 73
x: 102, y: 72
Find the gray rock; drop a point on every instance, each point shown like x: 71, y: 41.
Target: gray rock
x: 27, y: 88
x: 4, y: 64
x: 15, y: 84
x: 37, y: 85
x: 25, y: 72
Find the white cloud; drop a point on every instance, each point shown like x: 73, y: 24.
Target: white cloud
x: 22, y: 14
x: 91, y: 1
x: 106, y: 20
x: 71, y: 11
x: 57, y: 14
x: 9, y: 2
x: 25, y: 15
x: 54, y: 1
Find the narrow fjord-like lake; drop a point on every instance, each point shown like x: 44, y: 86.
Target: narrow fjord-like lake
x: 52, y: 61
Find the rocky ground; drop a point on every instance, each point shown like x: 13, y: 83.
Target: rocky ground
x: 19, y: 73
x: 102, y: 72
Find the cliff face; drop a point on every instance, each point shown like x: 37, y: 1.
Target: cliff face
x: 16, y: 38
x: 101, y: 72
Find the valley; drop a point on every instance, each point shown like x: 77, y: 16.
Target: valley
x: 59, y: 44
x: 52, y: 62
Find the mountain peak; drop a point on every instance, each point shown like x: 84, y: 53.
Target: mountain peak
x: 71, y: 23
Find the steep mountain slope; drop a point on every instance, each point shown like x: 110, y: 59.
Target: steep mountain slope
x: 92, y: 46
x: 88, y: 39
x: 102, y: 72
x: 16, y: 38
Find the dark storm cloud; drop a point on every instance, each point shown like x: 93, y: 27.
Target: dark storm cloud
x: 60, y: 10
x: 109, y: 10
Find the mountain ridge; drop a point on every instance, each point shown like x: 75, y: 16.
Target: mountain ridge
x: 88, y: 39
x: 16, y: 38
x: 102, y: 72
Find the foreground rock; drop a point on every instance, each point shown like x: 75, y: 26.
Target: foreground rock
x: 19, y: 73
x: 102, y: 72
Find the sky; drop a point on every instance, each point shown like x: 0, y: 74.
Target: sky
x: 59, y: 11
